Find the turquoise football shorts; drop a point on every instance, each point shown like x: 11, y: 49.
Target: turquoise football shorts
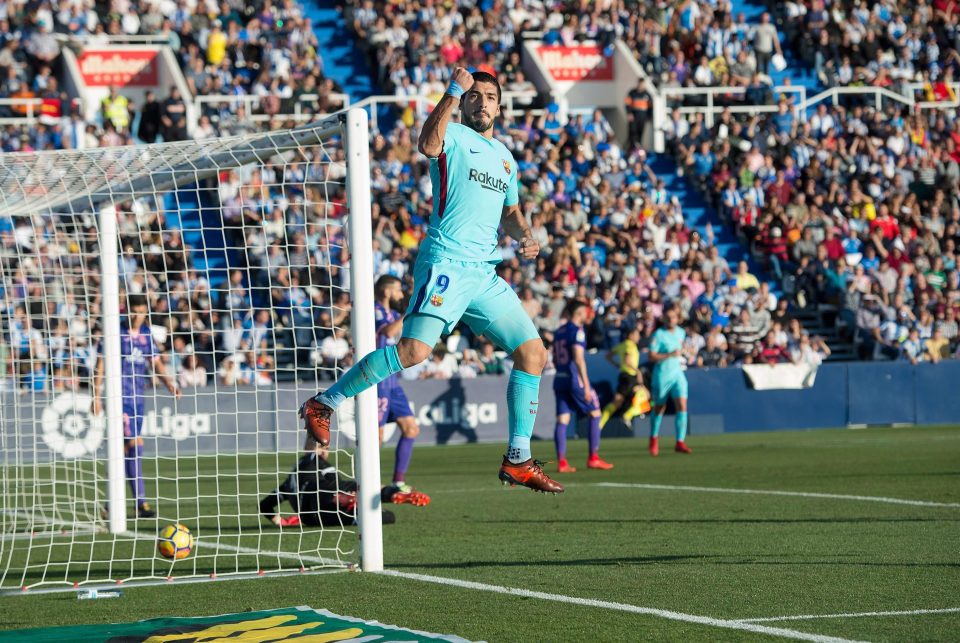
x: 470, y: 291
x: 661, y: 389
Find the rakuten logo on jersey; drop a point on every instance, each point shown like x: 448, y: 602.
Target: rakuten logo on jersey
x: 488, y: 181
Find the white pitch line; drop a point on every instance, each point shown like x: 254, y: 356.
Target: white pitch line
x: 772, y: 492
x: 85, y: 529
x: 810, y: 617
x: 24, y: 535
x: 622, y: 607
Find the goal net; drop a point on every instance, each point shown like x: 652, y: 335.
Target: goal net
x: 165, y: 311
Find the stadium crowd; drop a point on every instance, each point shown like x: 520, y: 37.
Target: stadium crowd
x: 883, y: 44
x: 851, y: 208
x: 263, y: 50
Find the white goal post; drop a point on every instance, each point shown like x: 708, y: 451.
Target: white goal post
x: 255, y: 257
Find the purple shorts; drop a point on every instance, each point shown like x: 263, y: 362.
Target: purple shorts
x: 573, y: 400
x: 392, y: 405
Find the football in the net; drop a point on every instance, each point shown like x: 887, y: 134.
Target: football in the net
x: 175, y: 541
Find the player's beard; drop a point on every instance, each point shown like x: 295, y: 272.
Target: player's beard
x: 477, y: 124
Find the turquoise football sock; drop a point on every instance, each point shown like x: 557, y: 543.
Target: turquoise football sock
x: 655, y: 425
x: 681, y: 426
x: 369, y: 371
x: 523, y: 393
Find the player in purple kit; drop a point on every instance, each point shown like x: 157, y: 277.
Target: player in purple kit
x: 571, y: 386
x: 137, y: 351
x: 393, y: 403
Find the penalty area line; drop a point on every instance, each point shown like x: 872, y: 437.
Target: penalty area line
x: 774, y: 492
x: 622, y: 607
x: 810, y: 617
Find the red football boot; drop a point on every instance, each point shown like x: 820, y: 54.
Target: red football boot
x: 594, y: 462
x: 412, y: 497
x: 682, y: 448
x: 564, y: 467
x: 654, y: 446
x: 316, y: 420
x: 528, y: 474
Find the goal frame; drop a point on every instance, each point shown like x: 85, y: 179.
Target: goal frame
x: 158, y: 174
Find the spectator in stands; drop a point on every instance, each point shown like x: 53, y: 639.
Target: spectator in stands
x: 174, y: 117
x: 440, y: 366
x: 150, y: 118
x: 193, y: 373
x: 766, y: 42
x: 492, y: 364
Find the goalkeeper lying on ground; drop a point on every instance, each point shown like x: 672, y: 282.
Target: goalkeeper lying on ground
x: 318, y: 496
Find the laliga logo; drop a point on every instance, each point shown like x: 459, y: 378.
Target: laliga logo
x: 174, y: 425
x: 69, y: 429
x: 443, y: 413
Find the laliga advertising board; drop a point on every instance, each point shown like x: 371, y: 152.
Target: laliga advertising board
x: 250, y: 419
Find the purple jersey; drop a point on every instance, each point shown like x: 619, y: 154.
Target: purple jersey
x: 385, y: 317
x: 137, y: 351
x: 564, y: 339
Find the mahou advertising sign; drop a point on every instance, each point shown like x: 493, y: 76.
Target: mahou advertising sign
x: 125, y: 68
x: 583, y: 62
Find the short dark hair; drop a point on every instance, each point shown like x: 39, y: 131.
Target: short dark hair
x: 485, y: 77
x: 383, y: 283
x: 574, y: 305
x: 136, y: 300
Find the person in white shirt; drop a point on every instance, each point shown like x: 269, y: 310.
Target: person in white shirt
x: 440, y: 366
x: 334, y: 347
x: 194, y: 374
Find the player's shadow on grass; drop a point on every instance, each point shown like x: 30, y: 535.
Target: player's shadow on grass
x: 680, y: 559
x: 615, y: 562
x: 720, y: 521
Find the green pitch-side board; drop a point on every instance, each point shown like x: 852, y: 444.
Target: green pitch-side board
x: 294, y: 624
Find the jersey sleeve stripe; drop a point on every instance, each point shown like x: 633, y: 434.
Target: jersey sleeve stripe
x: 442, y: 169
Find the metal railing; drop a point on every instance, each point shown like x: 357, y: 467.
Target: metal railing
x: 98, y: 40
x: 803, y: 103
x: 31, y: 108
x: 252, y: 104
x: 911, y: 89
x: 907, y: 97
x: 712, y: 94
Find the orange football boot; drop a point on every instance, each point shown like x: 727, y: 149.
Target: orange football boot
x: 528, y: 473
x: 316, y: 420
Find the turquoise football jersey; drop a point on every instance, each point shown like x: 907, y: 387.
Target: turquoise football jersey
x: 473, y: 179
x: 667, y: 341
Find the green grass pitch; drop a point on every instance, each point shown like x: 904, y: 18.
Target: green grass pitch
x: 711, y: 553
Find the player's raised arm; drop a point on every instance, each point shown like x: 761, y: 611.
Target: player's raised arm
x: 435, y: 127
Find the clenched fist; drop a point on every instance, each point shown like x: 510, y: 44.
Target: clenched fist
x: 463, y: 78
x: 529, y: 248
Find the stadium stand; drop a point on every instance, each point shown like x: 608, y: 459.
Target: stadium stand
x: 882, y: 44
x: 852, y: 212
